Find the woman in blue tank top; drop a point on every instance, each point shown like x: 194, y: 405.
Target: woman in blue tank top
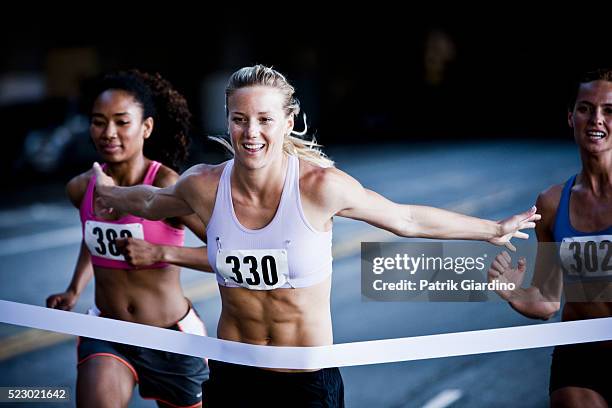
x: 577, y: 224
x: 268, y: 214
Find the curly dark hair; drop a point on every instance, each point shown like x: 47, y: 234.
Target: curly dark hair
x: 170, y: 140
x: 600, y: 74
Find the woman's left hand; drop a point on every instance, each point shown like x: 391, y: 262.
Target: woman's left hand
x: 511, y: 228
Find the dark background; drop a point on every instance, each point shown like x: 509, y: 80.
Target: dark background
x: 420, y: 108
x: 384, y: 78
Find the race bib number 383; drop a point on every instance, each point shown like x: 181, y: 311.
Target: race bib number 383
x: 257, y: 269
x: 100, y: 237
x: 589, y: 256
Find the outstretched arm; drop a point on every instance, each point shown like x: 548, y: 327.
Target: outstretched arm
x: 145, y: 201
x: 353, y: 201
x: 141, y: 253
x: 542, y: 299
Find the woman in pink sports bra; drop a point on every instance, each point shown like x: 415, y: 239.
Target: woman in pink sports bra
x: 268, y: 214
x: 137, y: 121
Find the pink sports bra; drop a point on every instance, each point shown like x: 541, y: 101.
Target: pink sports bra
x: 100, y: 234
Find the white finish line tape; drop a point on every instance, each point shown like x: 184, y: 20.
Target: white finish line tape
x: 337, y: 355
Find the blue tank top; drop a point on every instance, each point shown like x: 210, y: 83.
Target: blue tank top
x: 585, y: 256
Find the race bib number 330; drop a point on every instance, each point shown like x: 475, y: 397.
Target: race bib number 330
x: 100, y: 237
x: 256, y: 269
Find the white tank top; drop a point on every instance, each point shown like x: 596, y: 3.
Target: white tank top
x: 286, y: 253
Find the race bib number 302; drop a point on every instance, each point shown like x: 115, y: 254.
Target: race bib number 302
x: 589, y: 256
x: 100, y: 237
x: 256, y: 269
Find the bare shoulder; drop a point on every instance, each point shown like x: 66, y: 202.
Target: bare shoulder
x: 77, y: 186
x: 325, y: 185
x: 547, y: 203
x: 165, y: 177
x: 203, y: 174
x: 200, y: 181
x: 548, y: 200
x: 204, y: 170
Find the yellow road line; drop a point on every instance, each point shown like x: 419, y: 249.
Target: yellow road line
x: 29, y: 340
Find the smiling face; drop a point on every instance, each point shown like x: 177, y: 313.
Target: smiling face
x: 117, y: 127
x: 257, y: 125
x: 591, y: 117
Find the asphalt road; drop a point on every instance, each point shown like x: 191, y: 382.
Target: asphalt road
x: 39, y: 244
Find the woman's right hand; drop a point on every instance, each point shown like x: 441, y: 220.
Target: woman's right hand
x: 138, y: 252
x: 501, y: 270
x: 63, y: 301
